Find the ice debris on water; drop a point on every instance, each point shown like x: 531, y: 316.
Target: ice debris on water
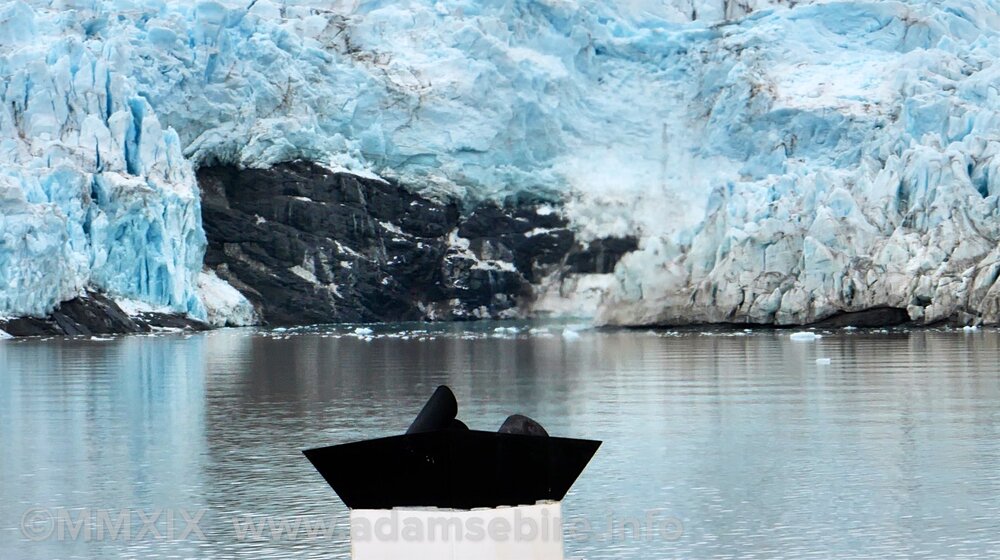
x: 569, y: 334
x: 805, y: 336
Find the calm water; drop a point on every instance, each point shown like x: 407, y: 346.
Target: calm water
x: 734, y: 446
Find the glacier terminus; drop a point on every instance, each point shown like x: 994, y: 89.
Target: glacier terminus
x: 676, y: 162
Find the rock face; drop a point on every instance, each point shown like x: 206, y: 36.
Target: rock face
x: 307, y: 245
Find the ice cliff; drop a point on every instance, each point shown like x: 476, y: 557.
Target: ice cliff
x: 780, y: 161
x: 94, y: 190
x: 865, y: 136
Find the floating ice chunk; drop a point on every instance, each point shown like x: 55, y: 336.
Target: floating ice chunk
x: 823, y: 361
x: 100, y: 339
x: 568, y: 334
x: 970, y: 328
x: 804, y: 336
x: 363, y: 331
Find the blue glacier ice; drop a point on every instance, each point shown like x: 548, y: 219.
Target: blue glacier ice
x: 779, y: 160
x: 866, y: 134
x: 95, y: 191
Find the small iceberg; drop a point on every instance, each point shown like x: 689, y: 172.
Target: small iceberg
x: 968, y: 328
x: 823, y: 361
x: 363, y: 331
x: 570, y: 335
x: 805, y: 336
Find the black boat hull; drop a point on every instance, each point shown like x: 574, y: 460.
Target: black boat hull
x: 453, y: 469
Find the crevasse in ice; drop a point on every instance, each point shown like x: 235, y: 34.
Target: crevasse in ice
x: 779, y: 160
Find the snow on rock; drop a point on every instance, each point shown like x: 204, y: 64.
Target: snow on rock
x: 4, y: 335
x: 224, y: 305
x: 134, y: 308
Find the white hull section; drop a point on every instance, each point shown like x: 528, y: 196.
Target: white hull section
x: 509, y: 533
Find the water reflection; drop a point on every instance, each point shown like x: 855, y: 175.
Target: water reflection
x: 760, y: 452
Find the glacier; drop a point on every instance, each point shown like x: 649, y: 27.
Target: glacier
x: 867, y: 136
x: 780, y: 161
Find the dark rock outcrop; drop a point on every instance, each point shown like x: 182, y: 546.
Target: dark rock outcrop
x: 307, y: 245
x: 94, y: 314
x: 869, y: 318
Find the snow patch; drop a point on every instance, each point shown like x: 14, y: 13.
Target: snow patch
x: 304, y: 274
x: 363, y: 173
x: 391, y: 227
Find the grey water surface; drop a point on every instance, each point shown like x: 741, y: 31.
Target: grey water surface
x: 716, y: 445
